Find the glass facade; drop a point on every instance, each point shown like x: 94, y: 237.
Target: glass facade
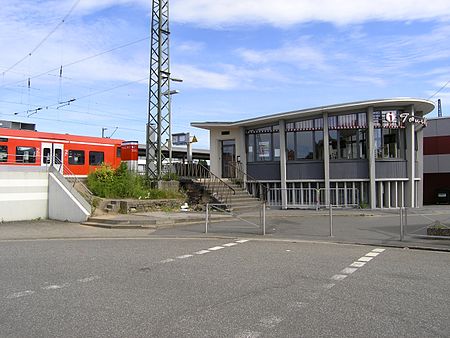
x: 263, y: 144
x: 304, y: 140
x: 348, y: 136
x: 389, y: 134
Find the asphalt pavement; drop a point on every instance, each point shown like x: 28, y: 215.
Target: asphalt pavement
x: 206, y: 287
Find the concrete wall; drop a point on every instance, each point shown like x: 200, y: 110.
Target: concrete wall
x: 23, y: 194
x: 64, y: 202
x: 28, y: 193
x: 216, y: 147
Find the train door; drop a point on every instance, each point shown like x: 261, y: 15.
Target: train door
x: 52, y: 154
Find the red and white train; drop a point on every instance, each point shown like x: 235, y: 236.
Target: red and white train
x: 70, y: 154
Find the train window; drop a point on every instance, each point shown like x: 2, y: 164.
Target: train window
x: 25, y: 154
x: 76, y: 157
x: 47, y: 156
x: 96, y: 157
x: 119, y: 152
x: 3, y: 154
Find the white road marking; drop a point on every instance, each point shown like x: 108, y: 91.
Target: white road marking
x: 55, y: 286
x: 248, y: 334
x: 358, y: 264
x: 184, y: 256
x: 338, y: 277
x: 372, y: 254
x: 20, y: 294
x: 168, y: 260
x: 242, y: 241
x: 348, y: 271
x: 288, y: 250
x: 230, y: 244
x: 271, y: 321
x: 365, y: 259
x: 329, y: 285
x: 201, y: 252
x: 214, y: 248
x: 378, y: 250
x: 88, y: 279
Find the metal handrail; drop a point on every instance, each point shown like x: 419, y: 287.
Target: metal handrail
x: 244, y: 177
x: 217, y: 187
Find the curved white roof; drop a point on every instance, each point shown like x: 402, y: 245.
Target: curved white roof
x: 421, y: 106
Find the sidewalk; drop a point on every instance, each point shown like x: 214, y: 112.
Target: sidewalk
x: 352, y: 226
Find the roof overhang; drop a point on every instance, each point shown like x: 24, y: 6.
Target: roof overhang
x: 420, y: 105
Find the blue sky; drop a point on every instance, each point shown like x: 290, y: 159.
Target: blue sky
x: 237, y: 59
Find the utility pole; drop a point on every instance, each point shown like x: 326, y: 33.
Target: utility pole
x: 159, y: 124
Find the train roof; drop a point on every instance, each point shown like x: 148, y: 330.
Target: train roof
x: 6, y: 132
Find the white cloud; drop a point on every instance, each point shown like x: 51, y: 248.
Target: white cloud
x: 196, y: 77
x: 289, y: 12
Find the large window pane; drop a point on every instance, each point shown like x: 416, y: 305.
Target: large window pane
x: 333, y: 146
x: 276, y: 146
x: 290, y: 146
x: 318, y: 145
x: 250, y: 147
x: 76, y: 157
x: 263, y: 147
x: 348, y: 143
x: 305, y: 147
x: 96, y: 157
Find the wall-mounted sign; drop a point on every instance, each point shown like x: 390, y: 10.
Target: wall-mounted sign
x: 391, y: 116
x: 180, y: 139
x: 407, y: 117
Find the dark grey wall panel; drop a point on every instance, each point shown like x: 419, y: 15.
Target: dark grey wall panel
x: 356, y: 169
x: 307, y: 170
x: 391, y: 169
x: 264, y: 171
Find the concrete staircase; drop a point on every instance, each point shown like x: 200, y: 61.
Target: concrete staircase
x: 241, y: 201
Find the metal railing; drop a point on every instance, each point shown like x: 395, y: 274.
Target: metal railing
x: 314, y: 198
x: 76, y: 183
x: 417, y: 224
x: 217, y: 188
x: 240, y: 177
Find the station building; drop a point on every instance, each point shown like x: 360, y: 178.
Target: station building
x: 367, y: 153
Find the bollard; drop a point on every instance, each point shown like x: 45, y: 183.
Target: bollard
x: 207, y: 218
x: 264, y: 219
x: 401, y: 223
x: 331, y: 220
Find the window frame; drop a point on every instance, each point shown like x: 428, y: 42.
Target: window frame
x: 3, y: 153
x: 71, y: 156
x: 96, y: 152
x: 33, y: 157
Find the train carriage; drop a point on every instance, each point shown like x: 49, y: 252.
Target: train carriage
x: 70, y: 154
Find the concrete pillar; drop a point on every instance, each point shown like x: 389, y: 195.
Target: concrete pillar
x: 419, y: 172
x: 410, y: 158
x: 282, y: 133
x: 371, y: 156
x: 326, y: 157
x: 242, y: 153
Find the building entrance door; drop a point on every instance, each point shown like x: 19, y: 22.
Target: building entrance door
x: 228, y: 156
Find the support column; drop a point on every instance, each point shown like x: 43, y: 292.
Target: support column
x: 411, y: 163
x: 371, y: 155
x: 326, y: 158
x: 282, y: 133
x: 419, y: 172
x: 242, y: 153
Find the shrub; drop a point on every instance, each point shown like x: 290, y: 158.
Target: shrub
x: 107, y: 182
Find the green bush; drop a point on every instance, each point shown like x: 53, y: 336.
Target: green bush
x: 107, y: 182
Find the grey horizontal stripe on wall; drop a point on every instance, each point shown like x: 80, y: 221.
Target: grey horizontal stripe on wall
x: 264, y: 170
x: 357, y: 169
x: 23, y: 189
x: 391, y: 169
x: 312, y: 170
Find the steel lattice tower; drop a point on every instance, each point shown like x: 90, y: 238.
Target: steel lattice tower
x: 158, y: 126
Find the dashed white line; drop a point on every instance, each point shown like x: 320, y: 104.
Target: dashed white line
x: 348, y: 271
x: 358, y: 264
x: 20, y: 294
x: 365, y: 259
x: 55, y: 286
x: 378, y: 250
x: 202, y: 252
x: 230, y: 244
x: 214, y: 248
x: 242, y: 241
x: 338, y: 277
x: 184, y: 256
x: 328, y: 285
x: 88, y: 279
x: 372, y: 254
x: 168, y: 260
